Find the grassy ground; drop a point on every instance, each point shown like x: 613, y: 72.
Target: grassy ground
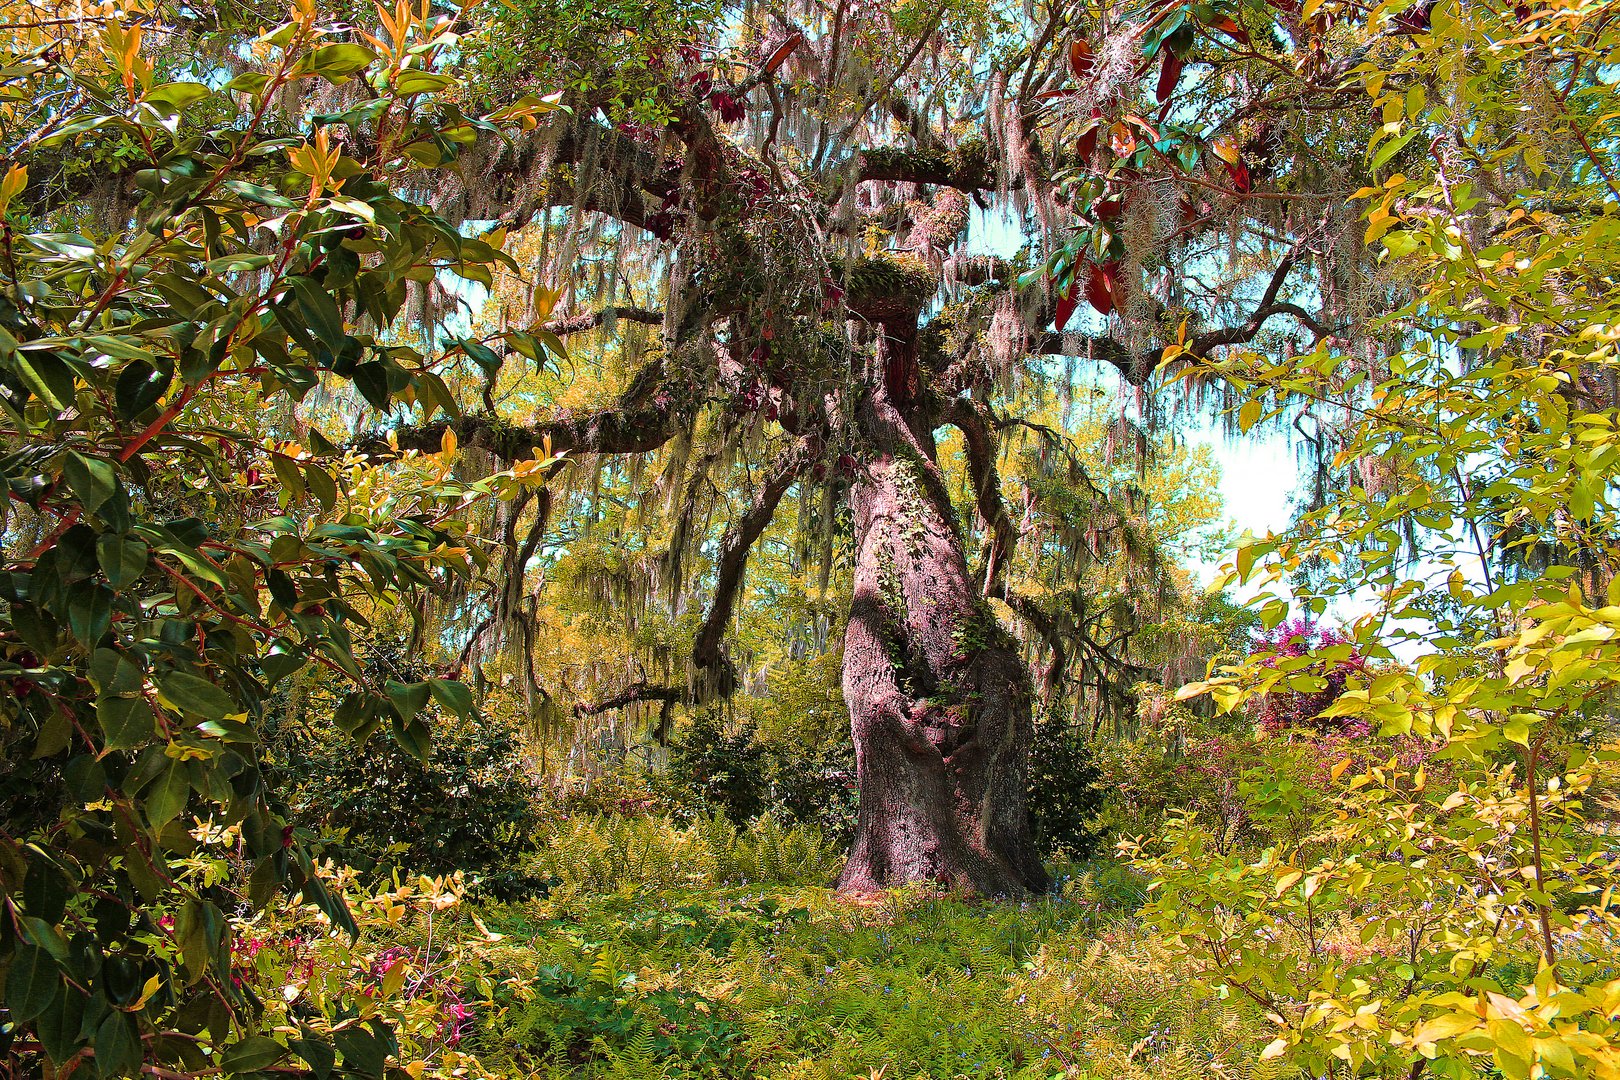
x: 788, y: 981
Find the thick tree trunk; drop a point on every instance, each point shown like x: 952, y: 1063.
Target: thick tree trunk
x: 939, y: 699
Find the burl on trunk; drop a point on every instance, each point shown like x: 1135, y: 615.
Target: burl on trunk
x: 939, y: 698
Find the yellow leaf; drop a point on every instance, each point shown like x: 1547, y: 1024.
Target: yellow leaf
x: 1275, y: 1048
x: 16, y: 179
x: 1248, y: 415
x: 1448, y: 1026
x: 1338, y: 770
x: 447, y: 443
x: 1286, y: 880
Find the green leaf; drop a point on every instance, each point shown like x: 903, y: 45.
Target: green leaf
x: 423, y: 82
x: 92, y: 479
x: 58, y: 1027
x: 320, y: 312
x: 47, y: 376
x: 168, y: 795
x: 336, y: 63
x: 455, y: 696
x: 371, y: 379
x: 1393, y: 147
x: 126, y: 722
x: 32, y: 983
x: 140, y: 386
x: 319, y: 1054
x: 408, y: 698
x: 115, y: 673
x: 118, y: 1047
x: 197, y: 695
x: 176, y: 95
x: 122, y: 558
x: 90, y: 611
x: 252, y: 1054
x: 321, y: 485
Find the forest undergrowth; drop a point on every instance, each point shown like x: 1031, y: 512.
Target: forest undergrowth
x: 657, y: 949
x: 646, y: 975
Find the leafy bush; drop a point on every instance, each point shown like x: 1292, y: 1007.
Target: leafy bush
x: 732, y: 769
x: 1065, y: 792
x: 154, y: 590
x: 471, y: 805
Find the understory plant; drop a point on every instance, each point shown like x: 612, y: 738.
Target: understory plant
x: 1451, y: 911
x: 156, y: 584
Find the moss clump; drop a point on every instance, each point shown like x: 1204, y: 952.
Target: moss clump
x: 888, y: 285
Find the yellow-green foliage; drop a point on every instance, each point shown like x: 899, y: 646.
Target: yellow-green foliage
x: 780, y: 983
x: 601, y: 854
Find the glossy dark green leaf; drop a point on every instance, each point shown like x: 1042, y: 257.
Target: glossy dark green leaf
x: 32, y: 983
x: 197, y: 695
x: 59, y: 1025
x: 371, y: 379
x: 115, y: 673
x: 140, y: 386
x: 126, y: 722
x: 320, y: 312
x: 50, y: 379
x: 252, y: 1054
x: 89, y: 611
x: 321, y: 485
x: 117, y: 1045
x: 167, y: 796
x: 317, y: 1053
x: 363, y: 1053
x: 86, y: 778
x: 122, y: 558
x: 92, y: 479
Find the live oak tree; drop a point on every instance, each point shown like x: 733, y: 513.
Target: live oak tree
x: 797, y: 202
x: 787, y: 223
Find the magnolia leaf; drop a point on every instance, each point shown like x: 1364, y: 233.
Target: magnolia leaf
x: 197, y: 695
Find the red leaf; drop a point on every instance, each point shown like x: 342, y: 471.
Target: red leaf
x: 1102, y: 287
x: 1087, y: 143
x: 1169, y: 75
x: 1066, y: 304
x: 1415, y: 19
x: 1239, y: 173
x: 1232, y: 30
x: 783, y: 51
x: 1109, y: 209
x: 1081, y: 60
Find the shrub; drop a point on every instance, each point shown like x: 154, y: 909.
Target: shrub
x: 471, y: 805
x: 1065, y: 798
x: 734, y: 770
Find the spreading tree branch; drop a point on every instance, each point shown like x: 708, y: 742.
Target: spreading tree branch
x: 643, y: 418
x: 973, y: 419
x: 734, y: 550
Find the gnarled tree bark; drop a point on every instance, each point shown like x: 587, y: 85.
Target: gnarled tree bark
x: 939, y: 699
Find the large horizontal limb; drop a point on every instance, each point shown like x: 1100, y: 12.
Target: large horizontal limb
x: 643, y: 418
